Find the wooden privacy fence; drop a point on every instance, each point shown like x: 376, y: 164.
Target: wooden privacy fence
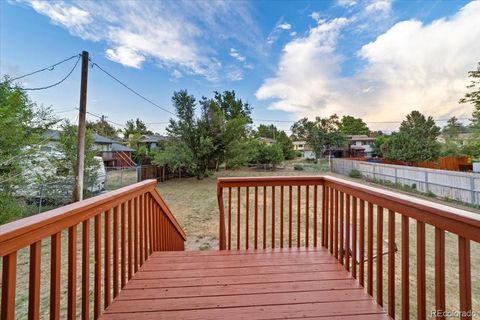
x: 128, y: 225
x: 460, y: 186
x: 352, y: 221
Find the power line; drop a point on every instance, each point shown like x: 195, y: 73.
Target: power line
x: 56, y: 83
x: 132, y: 90
x: 371, y: 122
x: 103, y: 117
x: 49, y: 68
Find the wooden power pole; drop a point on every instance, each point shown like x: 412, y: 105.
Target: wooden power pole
x: 80, y: 167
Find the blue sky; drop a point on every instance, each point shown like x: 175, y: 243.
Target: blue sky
x: 376, y: 59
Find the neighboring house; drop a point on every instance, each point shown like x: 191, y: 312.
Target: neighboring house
x: 114, y: 154
x: 268, y: 141
x: 359, y: 146
x: 153, y: 141
x: 302, y: 147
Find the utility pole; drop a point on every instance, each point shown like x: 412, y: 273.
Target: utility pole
x: 80, y: 167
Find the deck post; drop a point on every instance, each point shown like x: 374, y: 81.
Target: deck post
x: 221, y: 239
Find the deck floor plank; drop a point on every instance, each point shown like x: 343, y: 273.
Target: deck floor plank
x: 263, y: 284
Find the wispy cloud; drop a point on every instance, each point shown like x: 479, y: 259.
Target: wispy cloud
x: 280, y: 27
x: 412, y: 65
x: 236, y: 55
x: 178, y: 35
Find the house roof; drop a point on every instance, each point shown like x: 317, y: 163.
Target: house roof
x: 266, y: 140
x: 154, y: 138
x: 360, y: 137
x: 119, y: 147
x: 55, y: 136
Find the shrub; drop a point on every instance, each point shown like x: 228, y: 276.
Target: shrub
x: 298, y: 167
x: 354, y: 173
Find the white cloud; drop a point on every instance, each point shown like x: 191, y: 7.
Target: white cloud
x: 376, y: 6
x: 176, y: 75
x: 346, y: 3
x: 236, y: 55
x: 285, y: 26
x: 293, y: 33
x: 410, y: 66
x: 174, y: 35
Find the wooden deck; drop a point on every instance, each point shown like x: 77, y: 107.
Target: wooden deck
x: 262, y: 284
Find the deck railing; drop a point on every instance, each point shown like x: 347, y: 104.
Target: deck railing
x: 348, y: 219
x: 128, y: 225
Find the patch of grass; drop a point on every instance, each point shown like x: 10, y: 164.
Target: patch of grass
x: 354, y: 173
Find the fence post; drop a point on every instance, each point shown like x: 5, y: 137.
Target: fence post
x: 472, y: 187
x: 396, y: 176
x: 426, y: 181
x: 373, y: 166
x: 139, y: 173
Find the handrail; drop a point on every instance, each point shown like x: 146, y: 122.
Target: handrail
x: 128, y: 225
x: 343, y: 216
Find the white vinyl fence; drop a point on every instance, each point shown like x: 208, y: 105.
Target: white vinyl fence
x: 460, y: 186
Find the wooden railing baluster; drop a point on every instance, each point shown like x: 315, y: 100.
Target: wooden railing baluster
x: 307, y: 214
x: 106, y: 255
x: 347, y: 232
x: 238, y: 218
x: 341, y: 229
x: 86, y: 269
x: 55, y: 261
x: 135, y: 235
x: 336, y: 224
x: 299, y: 219
x: 9, y: 279
x: 255, y: 231
x: 361, y: 265
x: 405, y: 269
x: 354, y: 237
x: 72, y: 273
x: 34, y: 281
x: 315, y: 219
x: 247, y: 201
x: 391, y: 263
x: 264, y: 217
x: 370, y: 250
x: 141, y: 229
x: 273, y: 217
x: 97, y: 268
x: 465, y: 276
x: 130, y: 239
x: 331, y: 219
x: 380, y: 255
x: 290, y: 216
x: 229, y: 218
x: 421, y: 278
x: 115, y: 252
x: 123, y: 244
x: 281, y: 216
x: 439, y: 271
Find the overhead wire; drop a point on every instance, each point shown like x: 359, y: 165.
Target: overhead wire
x: 49, y: 68
x: 131, y: 90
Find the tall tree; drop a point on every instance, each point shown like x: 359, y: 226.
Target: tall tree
x: 135, y: 127
x: 272, y: 132
x: 22, y: 128
x: 353, y: 126
x: 209, y: 137
x: 323, y: 134
x: 451, y: 134
x: 415, y: 142
x: 472, y: 148
x: 103, y: 128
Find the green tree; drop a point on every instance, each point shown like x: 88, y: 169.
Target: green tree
x: 415, y: 142
x: 451, y: 133
x: 353, y: 126
x: 322, y: 135
x: 472, y: 148
x: 209, y: 137
x: 272, y: 132
x: 22, y: 128
x: 66, y: 163
x: 176, y: 155
x: 103, y: 128
x: 379, y: 141
x: 270, y: 154
x: 135, y: 127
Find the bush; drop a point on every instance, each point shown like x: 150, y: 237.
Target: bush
x: 12, y: 209
x: 354, y: 173
x: 298, y: 167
